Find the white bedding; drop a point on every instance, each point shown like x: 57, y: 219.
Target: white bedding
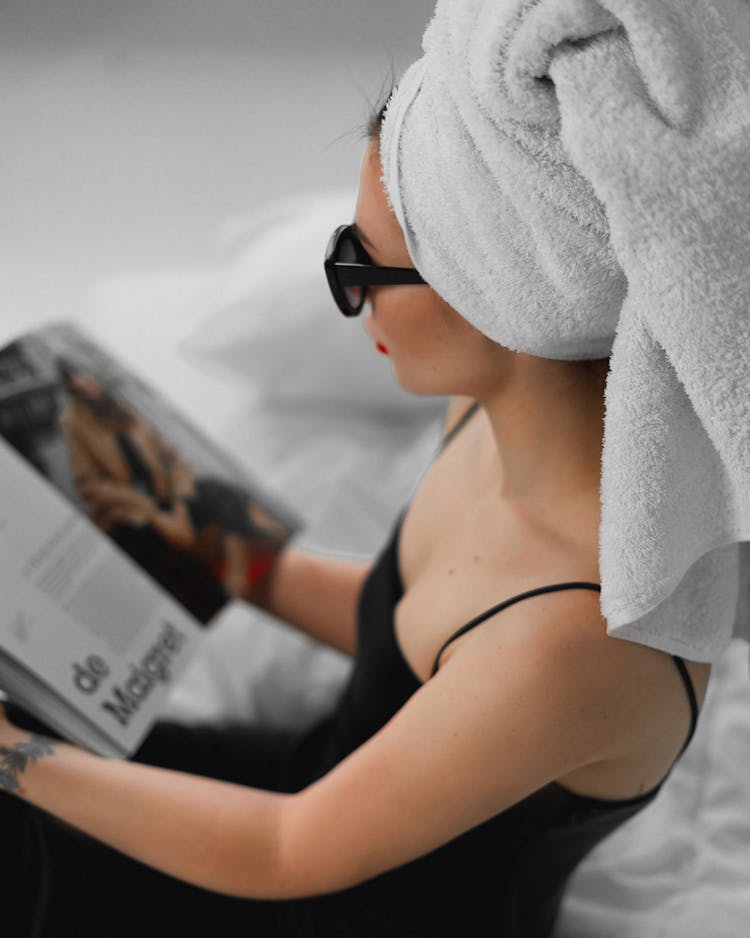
x: 681, y: 868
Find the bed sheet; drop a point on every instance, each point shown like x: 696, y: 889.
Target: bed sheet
x: 680, y: 868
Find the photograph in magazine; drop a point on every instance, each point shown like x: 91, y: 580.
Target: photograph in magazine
x: 125, y: 457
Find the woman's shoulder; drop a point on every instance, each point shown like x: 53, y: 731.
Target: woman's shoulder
x: 623, y: 703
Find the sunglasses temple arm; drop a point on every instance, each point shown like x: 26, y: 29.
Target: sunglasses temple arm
x: 356, y: 275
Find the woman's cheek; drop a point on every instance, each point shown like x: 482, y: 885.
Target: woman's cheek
x: 400, y: 322
x: 370, y: 327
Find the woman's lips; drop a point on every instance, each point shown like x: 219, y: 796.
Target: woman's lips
x: 381, y: 348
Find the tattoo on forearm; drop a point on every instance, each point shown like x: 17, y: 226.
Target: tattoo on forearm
x: 14, y: 760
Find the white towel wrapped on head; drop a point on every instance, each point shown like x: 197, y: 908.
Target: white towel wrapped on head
x: 573, y: 177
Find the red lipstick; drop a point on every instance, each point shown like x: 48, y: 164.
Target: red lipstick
x: 381, y: 348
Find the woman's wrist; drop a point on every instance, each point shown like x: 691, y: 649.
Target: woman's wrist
x: 263, y: 592
x: 19, y: 749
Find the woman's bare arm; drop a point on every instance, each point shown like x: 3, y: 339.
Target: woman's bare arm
x: 511, y: 709
x: 316, y: 594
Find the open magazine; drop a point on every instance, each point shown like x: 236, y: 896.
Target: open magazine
x: 123, y: 531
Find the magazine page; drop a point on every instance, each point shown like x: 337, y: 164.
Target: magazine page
x: 80, y: 616
x: 164, y: 494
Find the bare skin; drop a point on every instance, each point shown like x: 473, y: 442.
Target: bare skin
x: 539, y: 693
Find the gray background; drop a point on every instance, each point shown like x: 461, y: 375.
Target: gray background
x: 132, y: 129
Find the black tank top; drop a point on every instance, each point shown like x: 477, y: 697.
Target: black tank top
x: 504, y: 877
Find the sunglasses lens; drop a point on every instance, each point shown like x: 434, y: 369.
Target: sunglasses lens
x: 355, y: 295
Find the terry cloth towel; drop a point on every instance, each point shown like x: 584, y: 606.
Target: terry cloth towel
x: 573, y: 177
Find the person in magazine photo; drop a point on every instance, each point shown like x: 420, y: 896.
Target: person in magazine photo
x: 546, y: 233
x: 150, y: 502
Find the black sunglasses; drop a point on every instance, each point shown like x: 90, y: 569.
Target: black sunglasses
x: 350, y: 270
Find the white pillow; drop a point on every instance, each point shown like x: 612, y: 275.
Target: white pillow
x: 273, y: 324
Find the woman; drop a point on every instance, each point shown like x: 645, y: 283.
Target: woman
x: 462, y: 777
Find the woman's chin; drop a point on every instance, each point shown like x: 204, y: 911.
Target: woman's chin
x: 417, y: 384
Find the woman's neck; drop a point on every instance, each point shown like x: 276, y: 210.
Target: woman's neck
x: 547, y: 435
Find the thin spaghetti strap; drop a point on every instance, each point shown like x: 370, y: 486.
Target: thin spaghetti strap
x: 691, y: 697
x: 508, y: 602
x: 461, y: 423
